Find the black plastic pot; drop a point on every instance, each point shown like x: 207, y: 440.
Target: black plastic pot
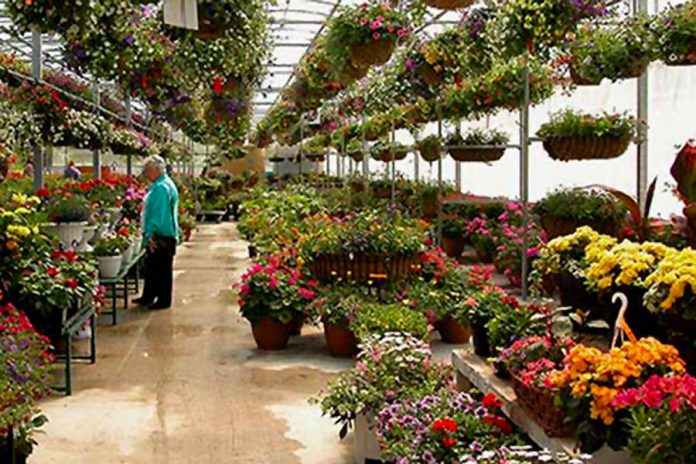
x: 482, y: 345
x: 253, y: 252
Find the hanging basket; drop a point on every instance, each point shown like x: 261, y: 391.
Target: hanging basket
x: 539, y: 403
x: 579, y: 80
x: 635, y: 70
x: 351, y: 73
x: 381, y: 192
x: 374, y: 53
x: 429, y: 153
x: 586, y: 148
x: 208, y: 27
x: 484, y: 155
x: 448, y: 4
x: 391, y: 155
x: 362, y: 267
x: 317, y: 157
x: 357, y: 156
x: 689, y: 59
x: 428, y: 74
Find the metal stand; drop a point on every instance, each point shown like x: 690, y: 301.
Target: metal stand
x: 524, y: 179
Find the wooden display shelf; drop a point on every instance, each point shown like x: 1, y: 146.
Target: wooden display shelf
x: 472, y: 371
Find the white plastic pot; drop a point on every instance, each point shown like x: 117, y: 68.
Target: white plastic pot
x: 127, y: 256
x: 137, y: 246
x: 87, y: 235
x: 99, y: 233
x: 109, y: 266
x: 70, y: 234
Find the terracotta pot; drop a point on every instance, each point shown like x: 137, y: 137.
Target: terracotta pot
x: 453, y: 245
x: 482, y: 345
x: 296, y: 324
x: 270, y: 334
x: 340, y: 340
x: 453, y: 332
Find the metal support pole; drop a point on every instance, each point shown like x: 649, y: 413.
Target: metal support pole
x: 416, y: 166
x: 439, y: 179
x: 36, y: 65
x: 458, y: 165
x: 129, y: 120
x: 524, y: 178
x: 301, y: 147
x: 641, y: 6
x: 96, y: 153
x: 393, y: 166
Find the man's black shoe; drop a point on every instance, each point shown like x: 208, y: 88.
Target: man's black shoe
x: 159, y: 306
x: 141, y: 302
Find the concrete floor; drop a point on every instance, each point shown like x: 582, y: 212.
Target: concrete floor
x: 188, y: 385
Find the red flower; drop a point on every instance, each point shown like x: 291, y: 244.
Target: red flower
x: 217, y: 86
x: 52, y: 271
x: 491, y: 401
x: 445, y: 425
x: 72, y: 283
x: 500, y: 423
x: 43, y: 193
x: 448, y: 442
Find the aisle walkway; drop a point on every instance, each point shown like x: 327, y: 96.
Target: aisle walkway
x: 186, y: 386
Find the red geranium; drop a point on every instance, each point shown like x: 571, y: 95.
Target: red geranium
x: 491, y: 401
x: 500, y: 423
x: 445, y: 425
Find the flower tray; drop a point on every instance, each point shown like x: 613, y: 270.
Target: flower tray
x: 448, y: 4
x: 362, y: 267
x: 586, y: 148
x: 539, y: 403
x: 374, y: 53
x: 485, y: 155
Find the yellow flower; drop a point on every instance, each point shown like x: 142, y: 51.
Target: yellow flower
x: 18, y: 231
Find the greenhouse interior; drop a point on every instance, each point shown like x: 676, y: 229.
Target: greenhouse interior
x: 342, y: 231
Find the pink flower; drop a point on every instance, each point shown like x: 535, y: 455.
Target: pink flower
x: 273, y: 283
x: 380, y: 18
x: 306, y: 293
x: 313, y: 283
x: 376, y: 36
x: 391, y: 28
x: 401, y: 32
x: 375, y: 25
x: 364, y: 21
x: 244, y: 289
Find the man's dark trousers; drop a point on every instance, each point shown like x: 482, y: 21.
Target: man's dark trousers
x: 159, y: 270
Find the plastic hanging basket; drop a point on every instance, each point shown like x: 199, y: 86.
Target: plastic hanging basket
x: 586, y: 148
x: 482, y: 155
x: 448, y: 4
x: 374, y: 53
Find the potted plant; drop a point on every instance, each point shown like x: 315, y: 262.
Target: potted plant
x: 482, y: 145
x: 270, y: 297
x: 572, y: 135
x: 430, y: 198
x: 24, y: 355
x: 364, y: 35
x: 108, y: 251
x: 512, y: 321
x: 453, y: 228
x: 187, y: 223
x: 589, y: 380
x: 83, y: 130
x: 70, y: 214
x: 622, y: 51
x: 661, y: 419
x: 481, y: 306
x: 430, y: 148
x: 388, y: 151
x: 383, y: 363
x: 336, y: 307
x: 381, y: 188
x: 379, y: 319
x: 676, y: 31
x: 563, y: 211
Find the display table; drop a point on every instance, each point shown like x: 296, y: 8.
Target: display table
x: 127, y: 279
x: 472, y: 371
x: 87, y: 310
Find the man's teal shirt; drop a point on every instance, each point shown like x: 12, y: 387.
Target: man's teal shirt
x: 161, y: 209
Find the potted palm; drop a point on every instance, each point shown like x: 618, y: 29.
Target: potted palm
x: 573, y: 135
x: 271, y: 296
x: 109, y: 253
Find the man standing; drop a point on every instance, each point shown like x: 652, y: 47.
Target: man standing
x: 160, y: 233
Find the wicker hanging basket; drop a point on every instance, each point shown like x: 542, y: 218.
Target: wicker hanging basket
x: 374, y: 53
x: 351, y: 73
x: 579, y: 80
x: 688, y: 59
x: 362, y: 267
x: 391, y: 155
x: 586, y: 148
x: 539, y: 403
x: 482, y: 155
x: 429, y: 153
x: 357, y: 156
x: 448, y: 4
x: 635, y: 70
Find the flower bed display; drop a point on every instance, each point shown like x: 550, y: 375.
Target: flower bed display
x: 576, y: 136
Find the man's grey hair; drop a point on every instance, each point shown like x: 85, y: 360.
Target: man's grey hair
x: 157, y: 161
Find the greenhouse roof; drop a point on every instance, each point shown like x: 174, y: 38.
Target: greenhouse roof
x: 295, y: 25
